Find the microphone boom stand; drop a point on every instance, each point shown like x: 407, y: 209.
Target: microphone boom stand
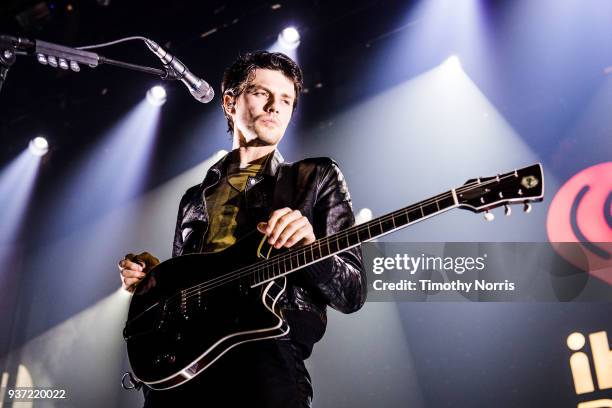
x: 10, y: 47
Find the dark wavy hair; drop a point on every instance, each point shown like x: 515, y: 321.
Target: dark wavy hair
x: 238, y: 75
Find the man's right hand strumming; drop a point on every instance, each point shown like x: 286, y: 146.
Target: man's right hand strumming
x: 135, y: 267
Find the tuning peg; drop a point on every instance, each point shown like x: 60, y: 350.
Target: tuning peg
x: 507, y: 210
x: 527, y: 208
x: 489, y: 216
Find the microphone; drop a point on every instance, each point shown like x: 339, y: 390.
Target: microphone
x: 198, y: 87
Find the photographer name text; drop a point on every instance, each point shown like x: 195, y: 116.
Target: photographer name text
x: 411, y: 265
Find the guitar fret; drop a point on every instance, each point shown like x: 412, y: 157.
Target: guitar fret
x: 376, y: 231
x: 306, y: 259
x: 447, y: 202
x: 287, y: 267
x: 363, y: 235
x: 413, y: 215
x: 334, y: 248
x: 429, y: 209
x: 402, y: 218
x: 324, y: 249
x: 387, y: 225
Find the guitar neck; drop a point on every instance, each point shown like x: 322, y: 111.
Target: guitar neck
x: 297, y: 258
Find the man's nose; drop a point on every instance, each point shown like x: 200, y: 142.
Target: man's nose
x: 272, y: 105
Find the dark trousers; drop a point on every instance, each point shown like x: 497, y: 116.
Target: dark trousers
x: 262, y: 374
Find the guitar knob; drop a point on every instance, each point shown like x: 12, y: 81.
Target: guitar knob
x: 507, y: 210
x: 489, y: 216
x: 527, y: 208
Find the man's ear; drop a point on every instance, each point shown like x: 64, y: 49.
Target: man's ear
x: 229, y: 104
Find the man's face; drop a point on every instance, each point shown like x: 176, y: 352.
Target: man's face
x: 263, y: 111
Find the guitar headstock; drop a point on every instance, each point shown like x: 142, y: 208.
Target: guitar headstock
x: 521, y: 186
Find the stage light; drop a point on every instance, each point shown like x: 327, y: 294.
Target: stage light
x: 364, y: 215
x: 156, y: 96
x: 453, y: 61
x: 38, y: 146
x: 287, y: 42
x: 117, y: 179
x: 289, y: 38
x: 17, y: 181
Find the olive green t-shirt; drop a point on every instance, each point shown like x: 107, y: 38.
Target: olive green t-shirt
x: 224, y: 202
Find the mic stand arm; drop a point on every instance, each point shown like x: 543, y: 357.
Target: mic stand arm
x: 43, y: 51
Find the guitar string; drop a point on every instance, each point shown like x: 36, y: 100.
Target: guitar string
x: 191, y: 292
x: 188, y: 293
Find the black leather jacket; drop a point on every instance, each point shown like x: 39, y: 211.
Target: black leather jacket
x: 316, y: 188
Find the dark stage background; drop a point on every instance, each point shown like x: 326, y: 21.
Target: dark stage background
x: 529, y: 81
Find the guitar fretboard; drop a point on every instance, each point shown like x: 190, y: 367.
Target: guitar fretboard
x: 300, y: 257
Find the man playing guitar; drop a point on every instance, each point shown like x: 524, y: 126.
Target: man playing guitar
x: 293, y: 204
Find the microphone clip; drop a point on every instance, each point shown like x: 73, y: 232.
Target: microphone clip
x: 170, y: 74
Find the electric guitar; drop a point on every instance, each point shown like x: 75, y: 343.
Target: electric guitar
x: 190, y: 310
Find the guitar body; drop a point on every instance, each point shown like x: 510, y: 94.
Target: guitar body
x: 178, y: 325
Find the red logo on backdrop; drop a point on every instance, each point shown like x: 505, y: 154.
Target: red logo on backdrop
x: 581, y: 211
